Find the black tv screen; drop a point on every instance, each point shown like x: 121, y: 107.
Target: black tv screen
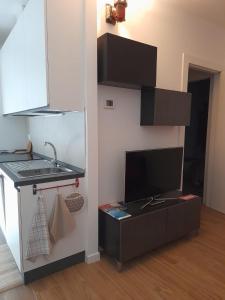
x: 152, y: 172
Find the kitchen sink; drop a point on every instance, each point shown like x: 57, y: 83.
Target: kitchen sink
x: 35, y: 168
x: 43, y: 172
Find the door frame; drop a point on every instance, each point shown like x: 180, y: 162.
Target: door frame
x: 189, y: 61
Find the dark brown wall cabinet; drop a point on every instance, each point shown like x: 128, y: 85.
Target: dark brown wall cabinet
x: 126, y: 63
x: 165, y: 107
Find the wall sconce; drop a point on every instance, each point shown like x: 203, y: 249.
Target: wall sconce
x: 116, y: 13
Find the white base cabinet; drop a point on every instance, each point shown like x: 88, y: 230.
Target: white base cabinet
x: 20, y: 207
x: 71, y: 244
x: 42, y: 59
x: 2, y: 203
x: 12, y: 219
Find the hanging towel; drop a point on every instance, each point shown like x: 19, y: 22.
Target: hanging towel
x: 61, y: 222
x: 39, y: 239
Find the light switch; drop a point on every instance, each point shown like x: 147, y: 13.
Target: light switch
x: 109, y: 103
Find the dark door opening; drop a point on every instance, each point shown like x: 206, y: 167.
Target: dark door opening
x: 196, y: 134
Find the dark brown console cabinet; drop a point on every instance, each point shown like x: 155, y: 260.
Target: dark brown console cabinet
x: 126, y: 63
x: 165, y: 107
x: 145, y: 231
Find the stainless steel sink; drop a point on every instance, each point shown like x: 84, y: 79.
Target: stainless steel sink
x: 43, y: 172
x: 35, y: 168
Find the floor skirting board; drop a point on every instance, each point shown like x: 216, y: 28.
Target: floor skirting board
x: 53, y: 267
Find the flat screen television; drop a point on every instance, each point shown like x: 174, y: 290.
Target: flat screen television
x: 152, y: 172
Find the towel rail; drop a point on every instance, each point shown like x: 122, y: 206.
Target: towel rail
x: 35, y: 189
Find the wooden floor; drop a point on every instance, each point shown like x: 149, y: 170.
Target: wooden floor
x: 192, y: 268
x: 2, y: 239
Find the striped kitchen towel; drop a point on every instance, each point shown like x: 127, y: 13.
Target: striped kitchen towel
x: 39, y: 240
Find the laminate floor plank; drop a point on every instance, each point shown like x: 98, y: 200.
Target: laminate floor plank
x: 2, y: 238
x: 192, y: 268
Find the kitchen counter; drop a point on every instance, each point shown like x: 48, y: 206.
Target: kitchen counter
x: 18, y: 181
x: 10, y: 157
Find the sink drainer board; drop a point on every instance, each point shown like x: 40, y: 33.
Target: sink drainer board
x: 28, y: 165
x: 35, y: 168
x: 39, y: 172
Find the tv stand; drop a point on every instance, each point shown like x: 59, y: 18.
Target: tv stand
x: 147, y: 228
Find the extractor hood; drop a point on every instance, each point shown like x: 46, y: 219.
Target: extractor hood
x: 43, y: 111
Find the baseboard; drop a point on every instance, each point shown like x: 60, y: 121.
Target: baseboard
x: 53, y: 267
x: 89, y: 259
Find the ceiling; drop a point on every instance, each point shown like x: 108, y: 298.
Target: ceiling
x: 210, y: 10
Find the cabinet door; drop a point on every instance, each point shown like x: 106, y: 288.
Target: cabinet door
x: 65, y: 47
x: 35, y: 61
x: 126, y: 63
x: 72, y: 243
x: 13, y: 70
x: 183, y: 219
x: 142, y: 233
x: 165, y: 107
x: 12, y: 220
x: 192, y: 215
x: 175, y: 222
x: 23, y: 62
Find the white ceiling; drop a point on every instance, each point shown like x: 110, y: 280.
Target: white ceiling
x: 210, y: 10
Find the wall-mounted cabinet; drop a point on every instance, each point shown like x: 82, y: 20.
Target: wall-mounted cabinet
x: 126, y: 63
x: 42, y: 60
x: 165, y: 107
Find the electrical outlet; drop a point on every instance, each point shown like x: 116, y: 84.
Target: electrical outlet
x: 109, y: 104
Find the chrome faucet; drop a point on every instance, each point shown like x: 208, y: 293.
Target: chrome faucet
x: 54, y: 161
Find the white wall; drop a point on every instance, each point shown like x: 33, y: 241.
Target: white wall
x: 174, y: 33
x: 216, y: 174
x: 13, y: 133
x: 120, y: 130
x: 66, y: 132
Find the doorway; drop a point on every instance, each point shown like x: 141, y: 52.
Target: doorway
x: 196, y: 134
